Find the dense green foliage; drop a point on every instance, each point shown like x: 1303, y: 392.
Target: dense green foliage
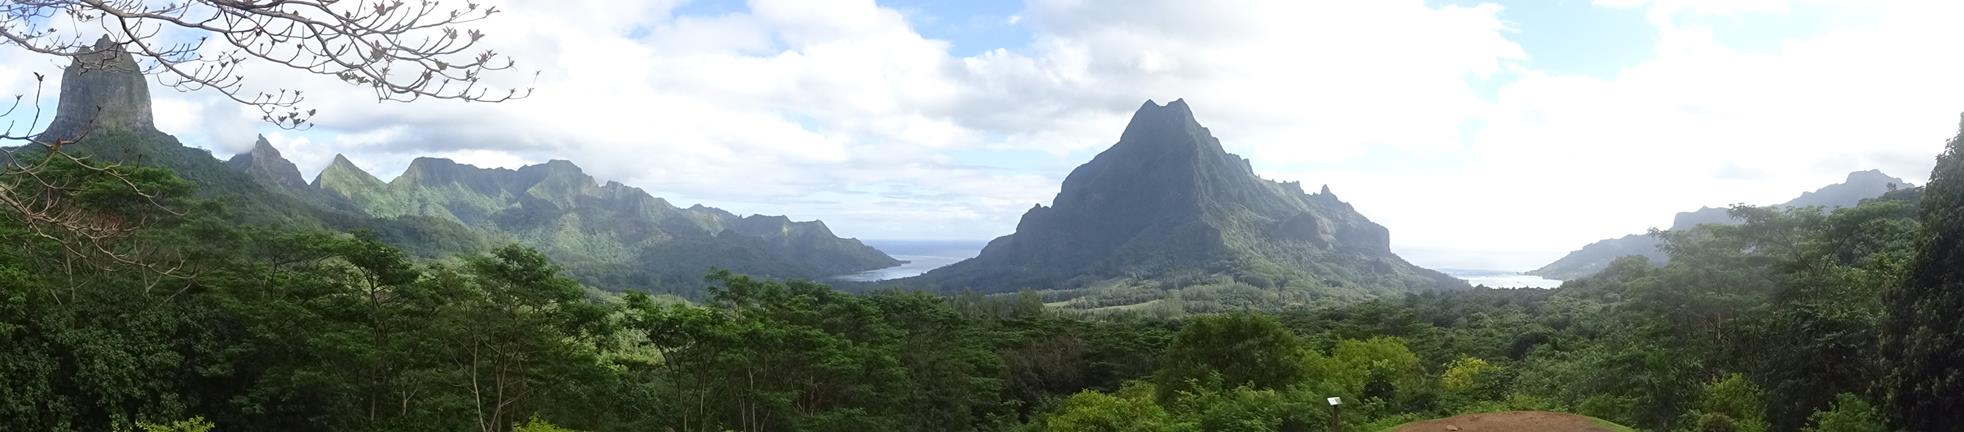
x: 1750, y: 327
x: 298, y: 329
x: 1233, y: 350
x: 1779, y: 323
x: 1849, y: 414
x: 1757, y: 326
x: 1926, y: 314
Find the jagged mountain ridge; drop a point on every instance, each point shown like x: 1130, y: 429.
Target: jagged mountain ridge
x: 1167, y: 201
x: 1595, y: 257
x: 616, y: 235
x: 606, y: 235
x: 105, y: 102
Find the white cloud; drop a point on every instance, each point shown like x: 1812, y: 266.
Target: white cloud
x: 1565, y: 160
x: 1290, y: 81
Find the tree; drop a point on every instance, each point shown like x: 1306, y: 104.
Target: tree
x: 90, y: 344
x: 381, y: 272
x: 1250, y: 410
x: 774, y: 355
x: 952, y: 370
x: 96, y: 213
x: 1468, y: 376
x: 1818, y: 334
x: 1924, y: 329
x: 1129, y: 410
x: 1731, y: 404
x: 513, y: 330
x: 1227, y: 351
x: 1380, y: 367
x: 1849, y: 414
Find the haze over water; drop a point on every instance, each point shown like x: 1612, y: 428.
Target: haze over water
x: 920, y: 255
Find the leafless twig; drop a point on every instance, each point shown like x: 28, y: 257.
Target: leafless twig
x: 401, y: 50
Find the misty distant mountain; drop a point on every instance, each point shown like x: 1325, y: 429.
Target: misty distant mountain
x: 1167, y: 203
x: 1593, y: 258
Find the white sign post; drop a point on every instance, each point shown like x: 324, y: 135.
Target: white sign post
x: 1336, y: 414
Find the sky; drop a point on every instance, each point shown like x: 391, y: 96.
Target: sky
x: 1484, y: 135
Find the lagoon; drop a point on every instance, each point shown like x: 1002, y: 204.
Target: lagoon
x: 920, y: 256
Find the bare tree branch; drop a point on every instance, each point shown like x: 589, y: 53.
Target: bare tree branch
x: 401, y: 51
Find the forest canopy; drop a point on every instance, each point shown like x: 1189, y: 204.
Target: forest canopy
x: 1770, y: 325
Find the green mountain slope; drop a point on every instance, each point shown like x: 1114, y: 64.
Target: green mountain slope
x: 250, y: 202
x: 610, y: 235
x: 1167, y: 204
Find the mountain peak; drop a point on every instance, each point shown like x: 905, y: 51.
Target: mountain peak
x: 557, y: 166
x: 261, y: 145
x: 341, y: 162
x: 1153, y: 118
x: 1178, y: 105
x: 421, y: 163
x: 102, y: 87
x: 427, y: 171
x: 1168, y: 199
x: 1162, y: 149
x: 342, y: 179
x: 1871, y: 175
x: 1858, y: 186
x: 265, y: 163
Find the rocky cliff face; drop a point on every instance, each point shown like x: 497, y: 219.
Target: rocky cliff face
x: 102, y: 88
x: 1168, y: 199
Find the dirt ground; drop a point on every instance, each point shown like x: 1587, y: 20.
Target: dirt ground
x: 1512, y: 421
